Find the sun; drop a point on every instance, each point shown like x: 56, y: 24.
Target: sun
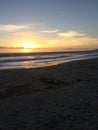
x: 27, y: 46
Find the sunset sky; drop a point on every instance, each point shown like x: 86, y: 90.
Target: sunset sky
x: 48, y: 25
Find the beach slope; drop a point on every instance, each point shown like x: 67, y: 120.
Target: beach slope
x: 61, y: 97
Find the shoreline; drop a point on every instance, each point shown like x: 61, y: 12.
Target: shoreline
x: 49, y: 65
x: 59, y: 97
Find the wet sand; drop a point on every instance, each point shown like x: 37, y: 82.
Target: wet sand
x: 61, y: 97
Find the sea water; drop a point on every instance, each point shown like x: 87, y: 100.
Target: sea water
x: 31, y: 60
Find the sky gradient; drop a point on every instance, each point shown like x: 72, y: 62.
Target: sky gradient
x: 48, y: 25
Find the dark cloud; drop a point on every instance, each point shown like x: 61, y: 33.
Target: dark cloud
x: 3, y: 47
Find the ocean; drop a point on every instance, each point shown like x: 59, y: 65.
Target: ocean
x: 33, y: 60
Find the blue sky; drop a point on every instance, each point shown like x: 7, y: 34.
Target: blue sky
x: 41, y: 16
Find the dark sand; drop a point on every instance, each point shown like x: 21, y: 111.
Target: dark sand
x: 62, y: 97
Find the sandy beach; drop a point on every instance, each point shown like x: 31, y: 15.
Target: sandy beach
x: 61, y: 97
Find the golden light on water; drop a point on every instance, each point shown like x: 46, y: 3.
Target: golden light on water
x: 26, y: 50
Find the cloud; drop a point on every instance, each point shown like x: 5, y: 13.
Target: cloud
x: 78, y: 42
x: 71, y: 34
x: 10, y: 28
x: 50, y: 31
x: 4, y: 47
